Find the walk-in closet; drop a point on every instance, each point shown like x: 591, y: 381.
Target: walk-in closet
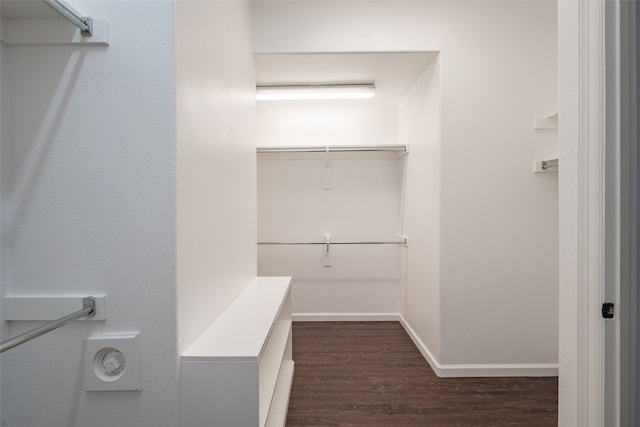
x: 138, y: 167
x: 390, y: 208
x: 331, y: 184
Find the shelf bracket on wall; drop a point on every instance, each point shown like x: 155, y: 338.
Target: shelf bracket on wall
x: 541, y: 166
x: 326, y: 171
x: 546, y: 123
x: 327, y: 243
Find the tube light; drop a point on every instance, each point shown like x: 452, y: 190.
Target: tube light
x: 315, y: 92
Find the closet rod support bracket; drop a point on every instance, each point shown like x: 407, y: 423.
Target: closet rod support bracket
x: 327, y: 255
x: 89, y: 302
x: 88, y: 31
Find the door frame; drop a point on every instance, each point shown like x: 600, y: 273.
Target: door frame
x: 596, y: 63
x: 581, y: 135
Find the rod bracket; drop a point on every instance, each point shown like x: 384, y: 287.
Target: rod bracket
x: 327, y: 255
x: 89, y: 302
x: 88, y: 31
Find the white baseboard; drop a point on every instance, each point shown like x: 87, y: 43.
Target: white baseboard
x: 345, y: 317
x: 441, y: 370
x: 431, y: 360
x: 501, y: 370
x: 479, y: 370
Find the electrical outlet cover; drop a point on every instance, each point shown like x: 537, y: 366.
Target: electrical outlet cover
x: 112, y: 362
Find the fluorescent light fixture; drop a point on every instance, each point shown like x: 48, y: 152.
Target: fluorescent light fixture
x: 315, y: 92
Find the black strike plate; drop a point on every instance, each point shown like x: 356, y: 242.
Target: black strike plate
x: 607, y: 310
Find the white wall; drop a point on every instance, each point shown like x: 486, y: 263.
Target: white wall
x: 499, y: 226
x: 216, y: 160
x: 420, y: 128
x: 364, y: 199
x: 88, y: 207
x: 363, y: 204
x: 340, y: 123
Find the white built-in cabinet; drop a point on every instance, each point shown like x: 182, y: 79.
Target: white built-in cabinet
x: 239, y: 372
x: 331, y: 217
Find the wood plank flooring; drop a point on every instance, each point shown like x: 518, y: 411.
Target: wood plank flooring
x: 371, y: 374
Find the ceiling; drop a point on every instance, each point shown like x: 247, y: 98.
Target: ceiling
x: 393, y: 73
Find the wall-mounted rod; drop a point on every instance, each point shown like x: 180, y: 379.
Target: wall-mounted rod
x: 331, y: 149
x: 547, y: 164
x: 88, y: 309
x: 85, y: 23
x: 333, y: 243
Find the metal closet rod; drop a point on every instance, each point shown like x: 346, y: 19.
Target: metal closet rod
x: 88, y: 309
x: 85, y: 23
x: 332, y: 149
x: 401, y: 242
x: 546, y: 164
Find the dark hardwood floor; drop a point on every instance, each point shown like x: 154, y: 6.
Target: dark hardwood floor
x: 371, y: 374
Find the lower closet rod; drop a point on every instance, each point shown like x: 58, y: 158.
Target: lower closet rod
x: 88, y: 309
x: 333, y: 243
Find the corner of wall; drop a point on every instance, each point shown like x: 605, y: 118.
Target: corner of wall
x: 216, y: 169
x: 420, y: 125
x: 478, y: 370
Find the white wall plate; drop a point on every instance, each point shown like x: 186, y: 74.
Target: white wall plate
x: 112, y: 362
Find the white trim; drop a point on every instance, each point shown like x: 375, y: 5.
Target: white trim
x: 479, y: 370
x: 500, y: 370
x: 345, y: 317
x: 591, y: 213
x: 422, y: 347
x: 441, y: 370
x: 581, y: 76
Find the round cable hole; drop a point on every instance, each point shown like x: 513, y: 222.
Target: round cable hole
x: 109, y: 364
